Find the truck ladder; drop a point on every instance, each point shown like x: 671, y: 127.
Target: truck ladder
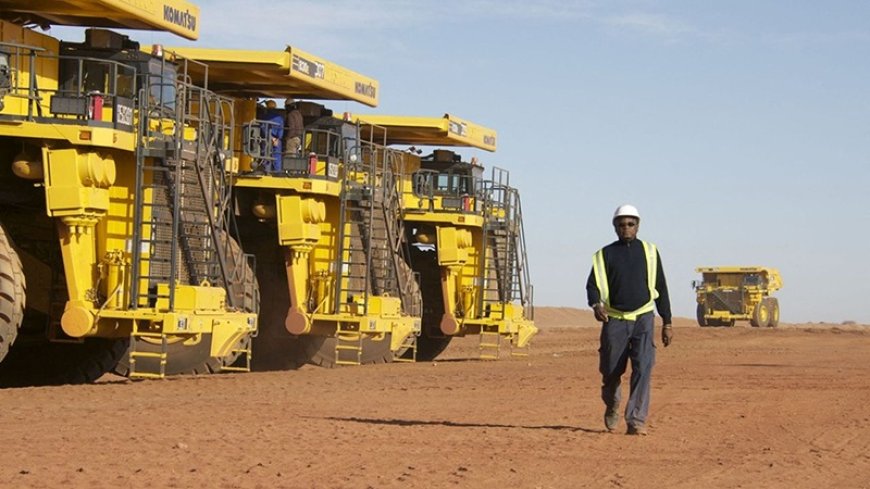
x: 244, y: 356
x: 503, y: 269
x: 348, y: 346
x: 409, y: 344
x: 352, y: 263
x: 178, y: 231
x: 156, y: 360
x: 490, y: 342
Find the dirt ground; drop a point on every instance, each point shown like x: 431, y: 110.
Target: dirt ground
x: 739, y: 407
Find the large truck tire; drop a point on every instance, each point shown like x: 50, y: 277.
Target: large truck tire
x: 773, y: 306
x: 274, y: 348
x: 194, y: 357
x: 431, y: 342
x: 13, y: 290
x: 429, y: 347
x: 760, y: 315
x: 46, y: 363
x: 321, y: 350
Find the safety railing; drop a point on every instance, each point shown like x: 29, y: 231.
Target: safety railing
x: 89, y: 91
x: 438, y: 191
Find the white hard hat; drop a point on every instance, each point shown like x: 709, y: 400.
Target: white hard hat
x: 626, y: 210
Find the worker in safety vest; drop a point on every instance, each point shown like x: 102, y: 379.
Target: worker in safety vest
x: 625, y: 285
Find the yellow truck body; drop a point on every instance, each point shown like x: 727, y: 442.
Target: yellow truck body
x: 729, y: 294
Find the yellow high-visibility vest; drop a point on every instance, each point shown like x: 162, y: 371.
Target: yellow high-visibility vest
x: 600, y: 271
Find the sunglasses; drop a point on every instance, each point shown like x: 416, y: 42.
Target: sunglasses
x: 629, y: 224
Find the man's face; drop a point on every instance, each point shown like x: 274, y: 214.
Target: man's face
x: 626, y: 227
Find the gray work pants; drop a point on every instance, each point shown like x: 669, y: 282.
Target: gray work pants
x: 622, y: 340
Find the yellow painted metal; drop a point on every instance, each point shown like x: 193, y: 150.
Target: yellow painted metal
x: 298, y: 220
x: 447, y: 130
x: 43, y: 71
x: 300, y: 185
x: 176, y: 16
x: 192, y: 298
x: 291, y: 72
x: 453, y: 245
x: 227, y: 333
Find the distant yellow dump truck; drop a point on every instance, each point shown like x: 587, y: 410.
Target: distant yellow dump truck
x: 728, y: 294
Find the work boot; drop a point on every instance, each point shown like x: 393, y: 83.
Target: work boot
x: 638, y: 430
x: 611, y: 418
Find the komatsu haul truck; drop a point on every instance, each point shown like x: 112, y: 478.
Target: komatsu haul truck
x: 322, y: 212
x: 116, y: 244
x: 465, y: 234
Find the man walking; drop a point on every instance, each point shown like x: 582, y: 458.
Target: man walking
x: 626, y: 283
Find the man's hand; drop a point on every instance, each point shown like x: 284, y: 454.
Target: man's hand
x: 667, y: 334
x: 600, y: 312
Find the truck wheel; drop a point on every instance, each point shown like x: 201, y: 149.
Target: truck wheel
x: 47, y: 363
x: 702, y: 321
x: 12, y: 294
x: 429, y: 347
x: 321, y: 350
x: 773, y: 304
x: 761, y: 315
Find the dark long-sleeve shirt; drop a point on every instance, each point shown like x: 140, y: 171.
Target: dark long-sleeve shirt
x: 625, y: 263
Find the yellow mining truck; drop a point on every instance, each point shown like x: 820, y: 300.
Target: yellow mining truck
x: 728, y: 294
x: 321, y: 213
x: 465, y: 235
x: 115, y: 198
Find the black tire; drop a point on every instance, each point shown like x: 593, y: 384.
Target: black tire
x: 429, y: 347
x: 274, y: 348
x: 760, y: 315
x: 431, y: 342
x: 773, y: 305
x: 182, y: 357
x: 699, y: 312
x: 34, y: 360
x: 321, y: 350
x: 13, y: 290
x: 45, y: 363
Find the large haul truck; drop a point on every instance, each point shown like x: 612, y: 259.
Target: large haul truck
x: 729, y: 294
x: 465, y: 234
x: 322, y: 213
x: 116, y: 247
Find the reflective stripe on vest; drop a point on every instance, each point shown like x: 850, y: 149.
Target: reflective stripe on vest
x: 600, y: 271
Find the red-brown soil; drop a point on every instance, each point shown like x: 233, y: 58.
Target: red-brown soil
x: 737, y: 407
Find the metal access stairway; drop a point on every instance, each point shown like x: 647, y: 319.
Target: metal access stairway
x: 370, y: 230
x: 371, y: 234
x: 181, y: 200
x: 503, y: 267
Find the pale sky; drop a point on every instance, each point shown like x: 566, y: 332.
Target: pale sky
x: 740, y: 129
